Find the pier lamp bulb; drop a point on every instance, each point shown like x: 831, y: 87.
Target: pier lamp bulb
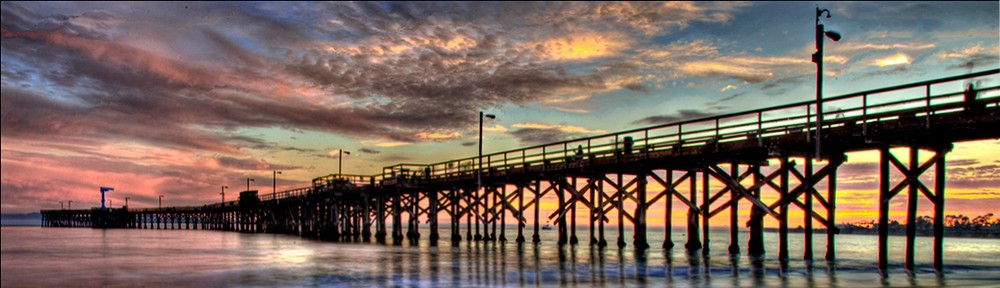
x: 491, y: 116
x: 833, y: 35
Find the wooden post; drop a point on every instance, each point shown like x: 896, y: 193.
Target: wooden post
x: 883, y: 211
x: 693, y: 243
x: 939, y: 178
x: 911, y: 209
x: 668, y: 243
x: 734, y: 208
x: 807, y: 255
x: 783, y: 214
x: 755, y: 244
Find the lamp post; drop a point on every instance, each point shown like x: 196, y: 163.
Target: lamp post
x: 248, y: 183
x: 479, y: 172
x: 818, y: 59
x: 61, y: 207
x: 126, y: 202
x: 223, y: 193
x: 161, y: 202
x: 274, y: 181
x: 340, y: 161
x: 104, y: 190
x: 70, y: 205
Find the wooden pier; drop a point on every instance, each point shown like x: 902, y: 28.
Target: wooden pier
x: 767, y: 161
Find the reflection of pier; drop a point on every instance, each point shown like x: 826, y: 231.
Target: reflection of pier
x: 762, y: 159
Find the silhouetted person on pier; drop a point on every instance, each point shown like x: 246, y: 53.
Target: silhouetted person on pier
x: 578, y: 155
x: 970, y: 99
x: 628, y: 143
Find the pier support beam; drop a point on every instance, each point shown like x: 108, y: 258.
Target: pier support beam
x: 572, y: 212
x: 693, y: 243
x: 755, y: 243
x: 639, y: 234
x: 668, y: 243
x: 535, y: 238
x: 784, y: 199
x: 521, y: 220
x: 432, y: 215
x: 734, y: 208
x: 911, y: 180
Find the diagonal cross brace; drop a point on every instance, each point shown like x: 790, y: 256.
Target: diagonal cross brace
x: 911, y: 176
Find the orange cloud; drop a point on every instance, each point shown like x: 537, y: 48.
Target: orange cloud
x: 583, y: 47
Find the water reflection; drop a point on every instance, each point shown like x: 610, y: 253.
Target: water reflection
x: 230, y: 259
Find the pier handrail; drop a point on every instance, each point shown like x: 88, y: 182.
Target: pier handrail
x: 788, y: 118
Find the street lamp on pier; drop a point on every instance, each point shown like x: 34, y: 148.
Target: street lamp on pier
x: 248, y: 183
x: 223, y: 193
x: 340, y: 161
x: 274, y: 181
x: 161, y: 202
x: 818, y: 59
x: 479, y: 172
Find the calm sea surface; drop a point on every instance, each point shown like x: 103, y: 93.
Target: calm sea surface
x: 83, y: 257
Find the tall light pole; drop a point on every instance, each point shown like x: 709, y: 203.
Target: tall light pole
x: 104, y: 190
x: 274, y: 181
x: 479, y: 176
x: 161, y: 202
x: 248, y: 183
x: 479, y: 172
x: 224, y: 193
x: 818, y: 59
x: 340, y: 161
x: 126, y: 202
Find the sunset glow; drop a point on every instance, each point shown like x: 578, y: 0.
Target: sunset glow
x: 179, y: 99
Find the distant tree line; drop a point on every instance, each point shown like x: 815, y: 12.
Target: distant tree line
x: 983, y: 226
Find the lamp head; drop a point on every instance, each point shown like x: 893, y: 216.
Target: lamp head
x: 833, y: 35
x: 491, y: 116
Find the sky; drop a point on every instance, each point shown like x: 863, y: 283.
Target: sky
x: 181, y: 98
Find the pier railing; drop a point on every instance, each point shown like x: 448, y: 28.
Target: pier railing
x: 921, y: 99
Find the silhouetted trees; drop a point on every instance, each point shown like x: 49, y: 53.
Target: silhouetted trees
x: 954, y: 225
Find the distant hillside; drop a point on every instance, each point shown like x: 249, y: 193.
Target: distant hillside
x: 30, y: 219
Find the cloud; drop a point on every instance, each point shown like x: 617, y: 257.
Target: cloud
x: 250, y: 164
x: 537, y: 133
x: 438, y: 136
x: 560, y: 127
x: 531, y: 136
x: 653, y: 18
x: 681, y: 115
x: 369, y: 151
x: 582, y: 47
x: 897, y: 59
x: 971, y: 56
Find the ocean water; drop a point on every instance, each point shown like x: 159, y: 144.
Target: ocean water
x: 84, y: 257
